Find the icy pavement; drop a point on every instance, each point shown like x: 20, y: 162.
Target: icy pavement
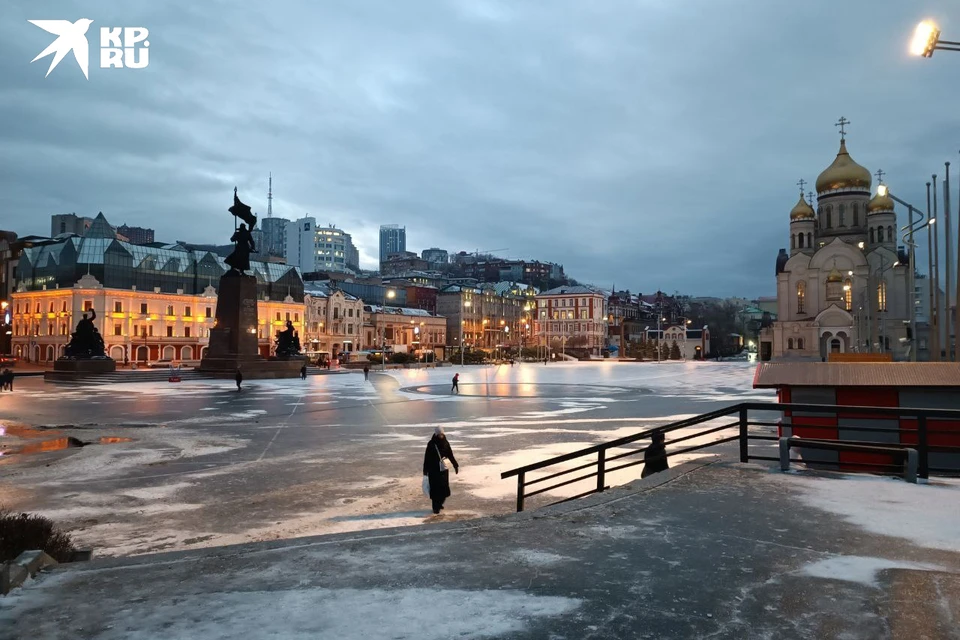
x: 210, y: 466
x: 703, y: 551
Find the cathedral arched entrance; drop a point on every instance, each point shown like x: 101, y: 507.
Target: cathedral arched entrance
x: 832, y: 341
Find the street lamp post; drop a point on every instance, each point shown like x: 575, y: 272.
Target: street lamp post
x: 463, y: 305
x: 912, y: 227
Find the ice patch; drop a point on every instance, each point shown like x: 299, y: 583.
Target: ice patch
x: 347, y: 614
x: 860, y: 569
x: 537, y: 558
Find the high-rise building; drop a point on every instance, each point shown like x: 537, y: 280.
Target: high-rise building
x: 273, y: 234
x: 314, y: 248
x: 69, y: 223
x: 353, y: 254
x: 393, y: 239
x: 136, y: 235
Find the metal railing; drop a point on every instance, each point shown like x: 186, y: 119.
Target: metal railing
x: 743, y: 430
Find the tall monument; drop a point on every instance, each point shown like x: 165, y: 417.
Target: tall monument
x: 234, y: 339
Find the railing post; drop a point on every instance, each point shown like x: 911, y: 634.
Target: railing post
x: 520, y: 491
x: 744, y: 433
x: 910, y: 466
x: 923, y: 468
x: 601, y: 461
x: 784, y: 454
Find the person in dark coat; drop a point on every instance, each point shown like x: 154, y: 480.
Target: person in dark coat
x: 366, y: 372
x: 239, y: 379
x: 303, y: 372
x: 433, y: 467
x: 655, y: 456
x: 456, y: 383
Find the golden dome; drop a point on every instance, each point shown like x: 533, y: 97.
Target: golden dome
x: 802, y: 211
x: 843, y: 173
x: 880, y: 204
x: 834, y: 276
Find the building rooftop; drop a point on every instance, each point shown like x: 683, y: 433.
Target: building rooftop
x: 571, y: 290
x: 856, y: 374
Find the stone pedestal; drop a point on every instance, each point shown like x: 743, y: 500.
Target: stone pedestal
x: 64, y: 369
x: 234, y: 340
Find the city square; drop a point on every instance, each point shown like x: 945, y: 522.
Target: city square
x: 206, y: 465
x: 479, y: 319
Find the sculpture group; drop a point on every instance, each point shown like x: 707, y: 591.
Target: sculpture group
x: 86, y: 342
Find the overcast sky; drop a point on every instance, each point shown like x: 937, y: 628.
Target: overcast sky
x: 647, y: 143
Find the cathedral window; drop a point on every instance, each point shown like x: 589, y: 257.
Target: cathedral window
x: 801, y: 296
x: 890, y: 237
x: 799, y: 343
x: 801, y: 241
x: 871, y: 235
x: 789, y: 343
x: 829, y: 217
x: 843, y: 216
x: 810, y: 240
x: 856, y: 214
x: 879, y: 234
x: 848, y: 294
x: 882, y: 296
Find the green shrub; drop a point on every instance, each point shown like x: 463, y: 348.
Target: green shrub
x: 21, y: 532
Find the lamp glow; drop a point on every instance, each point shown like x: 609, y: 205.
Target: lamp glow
x: 924, y: 39
x: 882, y: 190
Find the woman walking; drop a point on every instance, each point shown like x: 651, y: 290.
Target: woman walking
x: 435, y: 469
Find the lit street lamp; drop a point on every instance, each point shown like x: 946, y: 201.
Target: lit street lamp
x: 926, y: 39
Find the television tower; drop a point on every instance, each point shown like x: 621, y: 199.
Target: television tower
x: 270, y: 197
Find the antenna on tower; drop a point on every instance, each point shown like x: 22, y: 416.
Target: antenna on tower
x: 270, y: 197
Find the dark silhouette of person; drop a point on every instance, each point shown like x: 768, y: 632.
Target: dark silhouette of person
x: 436, y: 471
x: 239, y: 260
x: 239, y: 379
x: 303, y: 372
x: 655, y: 455
x: 456, y: 383
x: 366, y: 372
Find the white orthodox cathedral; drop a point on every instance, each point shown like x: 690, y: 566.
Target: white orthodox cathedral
x: 843, y: 287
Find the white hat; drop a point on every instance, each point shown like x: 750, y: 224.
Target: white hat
x: 438, y: 431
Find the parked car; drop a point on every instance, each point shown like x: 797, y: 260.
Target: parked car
x: 163, y: 363
x: 8, y: 361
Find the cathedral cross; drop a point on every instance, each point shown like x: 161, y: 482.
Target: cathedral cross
x: 802, y: 183
x: 842, y: 123
x: 810, y: 195
x: 880, y: 173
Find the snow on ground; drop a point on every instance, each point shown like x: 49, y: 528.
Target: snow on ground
x: 926, y: 514
x: 860, y: 569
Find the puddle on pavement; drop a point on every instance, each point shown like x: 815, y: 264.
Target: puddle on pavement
x: 24, y: 432
x: 51, y: 444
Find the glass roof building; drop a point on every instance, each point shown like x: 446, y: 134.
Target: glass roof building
x: 170, y: 268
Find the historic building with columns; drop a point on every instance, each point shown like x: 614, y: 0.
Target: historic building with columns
x: 843, y: 285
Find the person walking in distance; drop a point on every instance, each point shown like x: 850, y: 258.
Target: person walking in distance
x: 434, y: 467
x: 366, y: 373
x: 456, y: 384
x: 303, y: 372
x: 238, y: 378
